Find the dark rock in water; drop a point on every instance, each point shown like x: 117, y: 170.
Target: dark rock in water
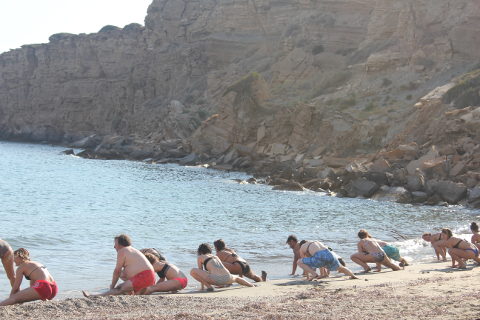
x: 252, y: 181
x: 379, y: 178
x: 89, y: 142
x: 87, y: 154
x: 451, y: 192
x: 415, y: 183
x: 419, y: 197
x: 68, y: 152
x: 189, y: 160
x: 361, y: 187
x: 473, y: 195
x: 433, y: 200
x: 290, y: 186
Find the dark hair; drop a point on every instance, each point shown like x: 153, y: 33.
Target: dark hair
x: 448, y: 232
x: 154, y: 252
x: 219, y: 244
x: 204, y: 248
x: 22, y: 253
x: 151, y: 257
x: 474, y: 227
x: 362, y: 234
x: 123, y: 240
x: 292, y: 238
x: 302, y: 242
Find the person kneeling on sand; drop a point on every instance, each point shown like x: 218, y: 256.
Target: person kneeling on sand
x: 459, y: 249
x: 136, y: 269
x: 42, y: 284
x: 391, y: 251
x: 170, y: 277
x: 314, y: 254
x: 369, y: 251
x: 234, y: 263
x: 211, y: 271
x: 437, y: 244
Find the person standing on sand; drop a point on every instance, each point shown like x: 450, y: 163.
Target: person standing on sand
x: 42, y: 284
x: 234, y: 263
x: 135, y: 267
x: 211, y: 271
x: 434, y: 239
x: 6, y: 254
x: 460, y: 250
x: 314, y: 254
x: 369, y: 251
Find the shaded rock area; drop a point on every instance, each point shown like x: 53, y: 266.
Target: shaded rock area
x: 355, y: 98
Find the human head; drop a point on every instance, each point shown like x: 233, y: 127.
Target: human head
x: 21, y: 255
x: 427, y: 236
x: 151, y: 257
x: 362, y: 234
x: 154, y: 252
x: 447, y: 232
x: 292, y: 241
x: 474, y: 227
x: 204, y: 248
x: 122, y: 240
x: 219, y: 244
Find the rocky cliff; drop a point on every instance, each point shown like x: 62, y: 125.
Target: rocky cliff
x: 321, y: 92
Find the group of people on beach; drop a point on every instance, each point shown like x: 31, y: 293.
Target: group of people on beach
x: 137, y: 268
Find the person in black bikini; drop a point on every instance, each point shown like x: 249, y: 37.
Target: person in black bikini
x: 434, y: 239
x: 459, y: 249
x: 170, y: 277
x: 234, y: 263
x: 211, y: 271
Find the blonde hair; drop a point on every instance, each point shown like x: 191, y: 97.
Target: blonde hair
x: 22, y: 253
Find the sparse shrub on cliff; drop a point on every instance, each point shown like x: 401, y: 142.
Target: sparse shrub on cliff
x: 109, y: 28
x: 343, y: 103
x: 333, y: 82
x: 409, y: 86
x: 466, y: 91
x: 202, y: 114
x: 386, y: 82
x: 318, y: 49
x: 60, y: 36
x: 409, y: 97
x: 370, y: 106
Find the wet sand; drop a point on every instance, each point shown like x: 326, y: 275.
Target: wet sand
x: 421, y: 291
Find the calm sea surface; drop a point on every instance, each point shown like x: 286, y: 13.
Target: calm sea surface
x: 66, y: 210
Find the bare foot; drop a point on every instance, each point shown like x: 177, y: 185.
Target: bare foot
x: 85, y: 294
x: 264, y: 276
x: 378, y: 270
x: 210, y: 289
x: 143, y: 291
x: 354, y: 277
x: 365, y: 271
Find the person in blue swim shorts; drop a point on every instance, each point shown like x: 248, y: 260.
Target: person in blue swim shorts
x: 314, y: 254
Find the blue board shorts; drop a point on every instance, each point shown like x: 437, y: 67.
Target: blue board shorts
x: 392, y: 252
x: 322, y: 258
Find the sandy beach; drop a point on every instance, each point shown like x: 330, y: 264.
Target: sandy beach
x: 421, y: 291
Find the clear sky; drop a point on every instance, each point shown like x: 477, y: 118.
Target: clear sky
x: 34, y: 21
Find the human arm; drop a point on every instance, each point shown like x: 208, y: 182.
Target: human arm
x: 118, y: 268
x: 296, y: 256
x: 18, y: 281
x: 200, y: 266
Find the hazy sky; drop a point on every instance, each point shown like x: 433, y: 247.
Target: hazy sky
x: 33, y: 21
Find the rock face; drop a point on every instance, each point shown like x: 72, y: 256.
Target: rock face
x: 300, y: 89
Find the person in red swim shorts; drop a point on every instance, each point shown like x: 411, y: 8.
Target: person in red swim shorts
x: 132, y: 264
x: 42, y: 284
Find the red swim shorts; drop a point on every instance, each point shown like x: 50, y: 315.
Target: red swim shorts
x: 45, y: 289
x: 183, y: 281
x: 142, y: 280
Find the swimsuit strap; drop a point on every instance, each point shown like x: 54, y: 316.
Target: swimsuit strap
x: 205, y: 262
x: 456, y: 246
x: 28, y: 277
x: 163, y: 273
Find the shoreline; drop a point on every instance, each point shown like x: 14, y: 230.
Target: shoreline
x: 424, y: 290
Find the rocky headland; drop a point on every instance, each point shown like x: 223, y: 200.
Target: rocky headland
x: 359, y: 98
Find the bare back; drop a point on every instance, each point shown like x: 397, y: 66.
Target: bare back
x: 133, y: 260
x: 309, y: 248
x: 35, y: 271
x: 369, y: 245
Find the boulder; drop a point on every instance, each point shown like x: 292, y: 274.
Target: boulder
x: 290, y: 186
x: 379, y: 165
x: 361, y: 187
x: 386, y: 193
x: 419, y: 197
x: 415, y: 183
x: 379, y: 178
x: 188, y: 160
x: 451, y: 192
x: 68, y: 152
x: 473, y: 195
x: 89, y: 142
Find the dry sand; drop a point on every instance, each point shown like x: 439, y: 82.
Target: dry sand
x: 421, y: 291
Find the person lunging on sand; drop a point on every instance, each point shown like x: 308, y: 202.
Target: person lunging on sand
x: 459, y: 249
x: 211, y: 271
x: 42, y: 284
x: 6, y: 254
x: 234, y: 263
x: 391, y: 251
x: 171, y: 279
x: 369, y: 251
x: 434, y: 239
x: 314, y: 254
x: 135, y: 267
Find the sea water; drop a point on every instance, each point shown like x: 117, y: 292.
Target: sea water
x: 66, y: 211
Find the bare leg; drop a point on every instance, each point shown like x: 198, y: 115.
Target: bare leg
x: 28, y: 294
x: 8, y: 265
x: 388, y: 263
x: 307, y: 269
x: 164, y: 286
x: 202, y: 277
x: 378, y: 267
x: 253, y: 276
x: 125, y: 287
x: 359, y: 258
x: 242, y: 281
